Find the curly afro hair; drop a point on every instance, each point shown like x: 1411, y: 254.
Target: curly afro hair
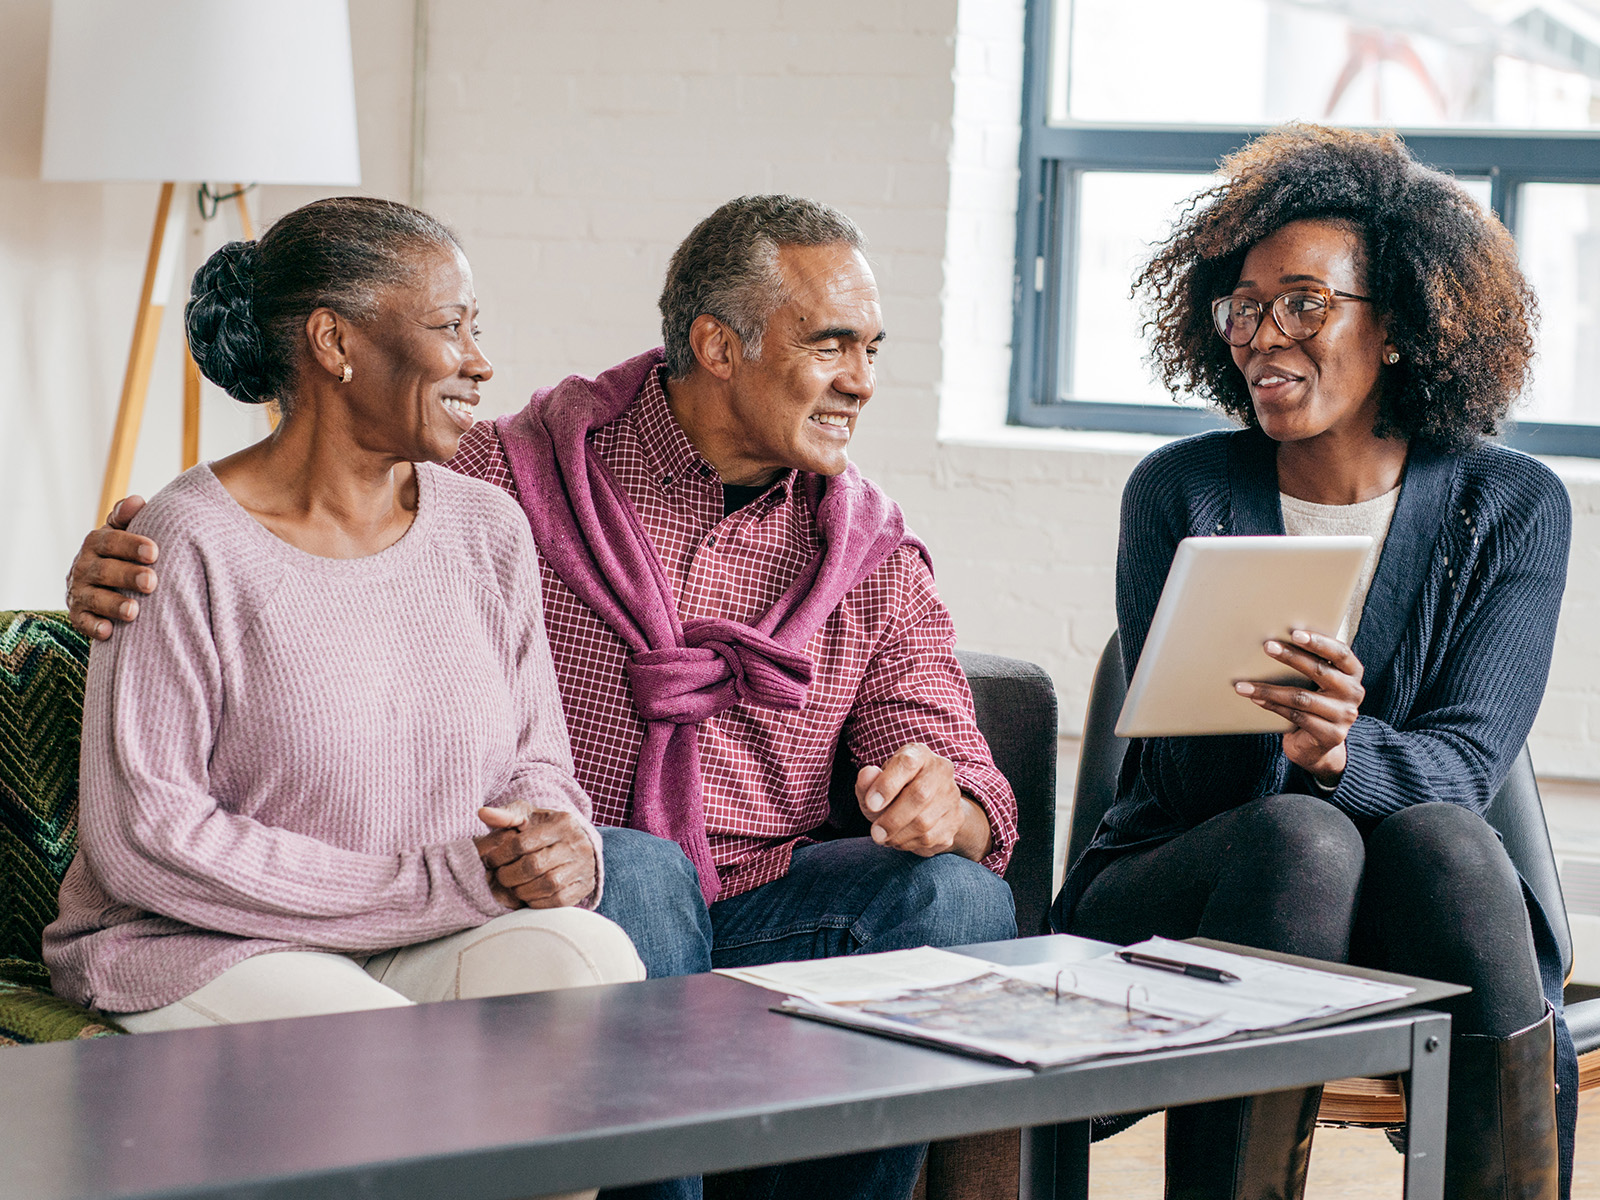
x: 1440, y: 270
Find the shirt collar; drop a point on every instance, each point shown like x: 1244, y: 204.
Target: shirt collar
x: 666, y: 447
x: 671, y: 456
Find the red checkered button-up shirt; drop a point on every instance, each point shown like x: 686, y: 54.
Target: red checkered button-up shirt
x: 885, y: 668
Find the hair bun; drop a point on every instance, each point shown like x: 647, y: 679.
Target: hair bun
x: 227, y: 344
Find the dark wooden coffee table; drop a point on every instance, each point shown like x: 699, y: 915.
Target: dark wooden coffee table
x: 517, y: 1096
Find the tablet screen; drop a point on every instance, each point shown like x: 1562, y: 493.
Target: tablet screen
x: 1223, y: 598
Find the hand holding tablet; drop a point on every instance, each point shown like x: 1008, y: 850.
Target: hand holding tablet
x: 1225, y: 597
x: 1321, y: 714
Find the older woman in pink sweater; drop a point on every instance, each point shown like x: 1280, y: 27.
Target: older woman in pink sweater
x: 317, y: 772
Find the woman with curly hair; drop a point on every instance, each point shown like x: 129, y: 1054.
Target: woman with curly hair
x: 1366, y: 323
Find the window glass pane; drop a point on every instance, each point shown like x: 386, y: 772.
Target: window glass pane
x: 1121, y: 216
x: 1559, y: 241
x: 1410, y: 63
x: 1478, y: 189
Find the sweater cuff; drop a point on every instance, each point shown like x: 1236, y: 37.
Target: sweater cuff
x: 472, y: 877
x: 1318, y: 788
x: 1365, y: 789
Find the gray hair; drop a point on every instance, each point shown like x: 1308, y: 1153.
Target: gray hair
x: 728, y: 267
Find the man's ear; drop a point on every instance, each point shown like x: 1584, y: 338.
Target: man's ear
x: 328, y: 336
x: 716, y: 347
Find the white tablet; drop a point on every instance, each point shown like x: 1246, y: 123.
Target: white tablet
x: 1223, y: 598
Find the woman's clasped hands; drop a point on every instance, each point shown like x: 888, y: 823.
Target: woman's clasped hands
x: 536, y: 857
x: 1322, y: 715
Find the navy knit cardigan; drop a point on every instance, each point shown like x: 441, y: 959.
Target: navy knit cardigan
x: 1455, y: 637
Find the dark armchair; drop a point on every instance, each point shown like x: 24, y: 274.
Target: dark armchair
x: 1016, y: 707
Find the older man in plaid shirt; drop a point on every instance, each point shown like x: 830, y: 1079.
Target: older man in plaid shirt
x: 771, y: 326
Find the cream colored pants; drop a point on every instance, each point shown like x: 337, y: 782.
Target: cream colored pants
x: 526, y: 950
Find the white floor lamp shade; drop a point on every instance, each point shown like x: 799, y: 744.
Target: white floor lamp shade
x: 201, y: 90
x: 257, y: 91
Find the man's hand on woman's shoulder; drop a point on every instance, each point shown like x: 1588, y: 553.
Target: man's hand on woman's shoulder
x: 110, y: 562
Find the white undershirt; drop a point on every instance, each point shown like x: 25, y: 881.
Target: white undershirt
x: 1301, y: 518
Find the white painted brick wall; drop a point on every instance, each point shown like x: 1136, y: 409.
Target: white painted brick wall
x: 612, y: 135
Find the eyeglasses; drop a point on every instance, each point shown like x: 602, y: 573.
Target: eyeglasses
x: 1300, y: 313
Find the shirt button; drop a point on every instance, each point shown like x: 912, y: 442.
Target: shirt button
x: 666, y: 481
x: 711, y: 539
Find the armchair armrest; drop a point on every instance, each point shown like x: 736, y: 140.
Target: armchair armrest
x: 1016, y: 706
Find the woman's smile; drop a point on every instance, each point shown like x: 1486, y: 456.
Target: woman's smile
x: 460, y: 409
x: 1274, y: 385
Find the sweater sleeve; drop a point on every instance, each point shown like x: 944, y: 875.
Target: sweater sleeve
x: 1192, y: 777
x: 1472, y: 717
x: 543, y: 775
x: 158, y: 840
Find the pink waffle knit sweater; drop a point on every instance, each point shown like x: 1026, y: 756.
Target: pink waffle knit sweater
x: 288, y: 752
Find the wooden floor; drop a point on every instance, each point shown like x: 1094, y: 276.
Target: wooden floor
x: 1346, y: 1164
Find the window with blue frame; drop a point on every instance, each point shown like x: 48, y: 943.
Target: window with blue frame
x: 1129, y: 105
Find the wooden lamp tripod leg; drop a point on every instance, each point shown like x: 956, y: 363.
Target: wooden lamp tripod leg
x: 191, y: 409
x: 247, y: 227
x: 164, y: 239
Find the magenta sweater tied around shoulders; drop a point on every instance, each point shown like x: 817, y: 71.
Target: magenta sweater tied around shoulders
x: 681, y: 672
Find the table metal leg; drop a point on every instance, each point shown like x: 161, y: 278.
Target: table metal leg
x: 1427, y: 1105
x: 1055, y: 1162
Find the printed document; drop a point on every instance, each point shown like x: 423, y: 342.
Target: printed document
x: 1046, y: 1014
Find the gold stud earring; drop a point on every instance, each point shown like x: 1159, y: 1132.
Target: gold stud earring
x: 347, y: 375
x: 1393, y: 357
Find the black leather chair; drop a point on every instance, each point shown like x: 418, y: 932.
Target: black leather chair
x: 1515, y: 812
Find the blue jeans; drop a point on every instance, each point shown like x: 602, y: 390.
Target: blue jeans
x: 842, y: 897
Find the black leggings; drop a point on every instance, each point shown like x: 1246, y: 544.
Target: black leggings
x: 1429, y: 891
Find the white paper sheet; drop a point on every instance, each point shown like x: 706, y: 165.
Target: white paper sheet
x: 862, y: 976
x: 1049, y: 1013
x: 1268, y: 994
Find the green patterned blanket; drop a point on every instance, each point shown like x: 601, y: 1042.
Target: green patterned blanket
x: 42, y: 665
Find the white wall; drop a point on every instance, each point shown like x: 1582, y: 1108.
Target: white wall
x: 573, y: 145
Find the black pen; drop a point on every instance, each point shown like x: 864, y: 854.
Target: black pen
x: 1193, y: 970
